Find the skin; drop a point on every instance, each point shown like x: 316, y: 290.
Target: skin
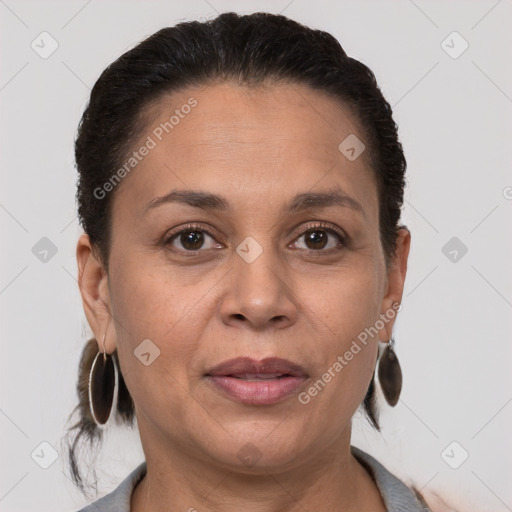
x: 258, y: 148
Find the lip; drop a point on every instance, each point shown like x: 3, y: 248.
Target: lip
x: 255, y: 382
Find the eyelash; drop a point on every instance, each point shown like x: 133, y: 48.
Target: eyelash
x: 323, y: 226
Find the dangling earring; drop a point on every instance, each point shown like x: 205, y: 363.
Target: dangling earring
x: 390, y: 374
x: 101, y: 386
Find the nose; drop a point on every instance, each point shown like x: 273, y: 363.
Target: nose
x: 259, y: 294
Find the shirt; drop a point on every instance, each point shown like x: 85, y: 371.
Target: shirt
x: 397, y: 497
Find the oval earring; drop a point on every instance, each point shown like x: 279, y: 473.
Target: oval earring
x: 102, y: 386
x: 390, y: 374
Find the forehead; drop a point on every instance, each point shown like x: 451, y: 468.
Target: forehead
x: 279, y: 115
x: 261, y: 142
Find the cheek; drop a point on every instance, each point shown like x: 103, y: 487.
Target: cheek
x: 345, y: 309
x: 147, y: 306
x: 345, y: 304
x: 152, y: 302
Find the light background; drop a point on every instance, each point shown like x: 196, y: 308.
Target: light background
x: 453, y: 334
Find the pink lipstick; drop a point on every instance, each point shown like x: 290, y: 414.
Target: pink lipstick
x: 257, y: 382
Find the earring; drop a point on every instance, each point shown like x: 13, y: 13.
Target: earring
x: 390, y: 374
x: 101, y: 386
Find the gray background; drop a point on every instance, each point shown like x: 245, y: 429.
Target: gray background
x: 453, y: 334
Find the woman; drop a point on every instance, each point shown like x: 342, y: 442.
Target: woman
x: 240, y: 186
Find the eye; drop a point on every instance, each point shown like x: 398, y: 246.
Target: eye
x: 191, y: 238
x: 317, y: 237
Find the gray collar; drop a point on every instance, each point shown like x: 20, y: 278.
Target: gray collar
x: 396, y: 495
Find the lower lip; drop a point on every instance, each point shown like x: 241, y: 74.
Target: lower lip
x: 261, y: 392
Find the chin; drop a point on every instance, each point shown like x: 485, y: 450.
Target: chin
x: 259, y: 449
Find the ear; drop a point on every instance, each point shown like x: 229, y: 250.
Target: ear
x: 93, y: 284
x: 395, y: 283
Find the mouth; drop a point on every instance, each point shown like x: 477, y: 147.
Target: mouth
x: 254, y: 377
x: 256, y: 382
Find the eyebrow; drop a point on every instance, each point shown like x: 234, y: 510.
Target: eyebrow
x: 301, y: 202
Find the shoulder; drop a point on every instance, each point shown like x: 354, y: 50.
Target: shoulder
x: 436, y: 504
x: 119, y: 499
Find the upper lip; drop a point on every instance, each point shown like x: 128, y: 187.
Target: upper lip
x: 248, y: 365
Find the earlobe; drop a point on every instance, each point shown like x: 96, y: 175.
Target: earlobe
x: 93, y: 285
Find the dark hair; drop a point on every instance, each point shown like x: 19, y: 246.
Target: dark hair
x: 248, y: 50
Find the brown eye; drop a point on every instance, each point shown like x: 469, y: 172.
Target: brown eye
x: 319, y: 238
x: 316, y: 238
x: 190, y: 239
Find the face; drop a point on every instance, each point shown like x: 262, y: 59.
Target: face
x: 262, y: 270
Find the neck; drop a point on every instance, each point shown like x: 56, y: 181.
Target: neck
x: 332, y: 481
